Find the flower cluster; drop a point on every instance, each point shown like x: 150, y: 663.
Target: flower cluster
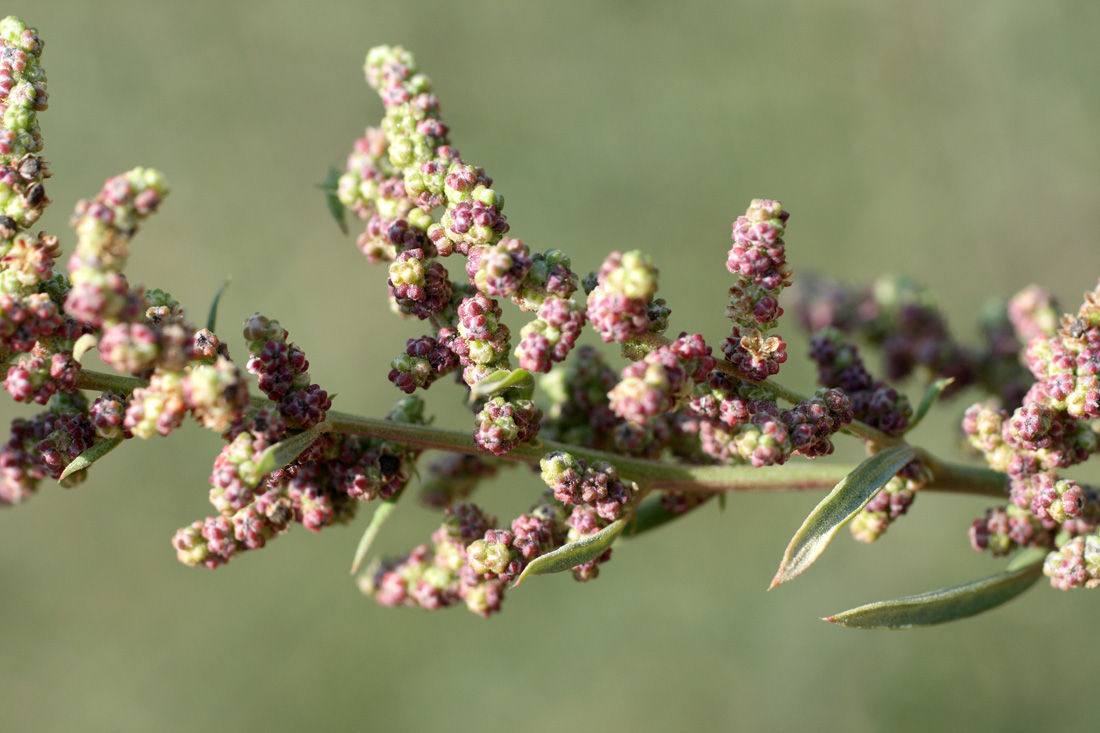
x: 467, y: 561
x: 740, y: 421
x: 662, y: 381
x: 43, y: 446
x: 320, y: 488
x: 759, y: 260
x: 873, y: 401
x: 580, y: 410
x: 22, y: 96
x: 281, y: 371
x: 618, y: 306
x: 901, y: 318
x: 1050, y: 431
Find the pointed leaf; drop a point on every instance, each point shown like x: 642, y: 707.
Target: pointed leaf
x: 212, y: 316
x: 381, y: 514
x: 519, y: 380
x: 946, y: 604
x: 930, y: 396
x: 573, y: 554
x: 844, y: 502
x: 332, y: 200
x: 1027, y: 556
x: 83, y: 345
x: 90, y: 456
x: 285, y: 451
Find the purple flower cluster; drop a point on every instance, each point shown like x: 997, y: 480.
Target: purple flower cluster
x: 470, y: 561
x: 549, y: 276
x: 1005, y: 529
x: 549, y: 338
x: 419, y: 288
x: 504, y: 423
x: 1076, y: 564
x: 758, y: 259
x: 902, y: 319
x: 873, y: 402
x: 282, y: 373
x: 425, y: 360
x: 32, y: 323
x: 480, y: 340
x: 396, y: 179
x: 100, y: 295
x: 45, y: 316
x: 576, y: 484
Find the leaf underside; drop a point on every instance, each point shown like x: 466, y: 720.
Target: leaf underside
x: 939, y: 606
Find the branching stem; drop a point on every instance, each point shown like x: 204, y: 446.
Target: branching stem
x: 650, y: 474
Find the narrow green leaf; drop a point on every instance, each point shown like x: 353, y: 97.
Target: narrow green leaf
x: 332, y: 201
x: 285, y: 451
x: 573, y: 554
x: 381, y: 514
x: 1027, y: 556
x: 721, y: 503
x: 90, y: 456
x: 946, y: 604
x: 843, y: 502
x: 519, y: 380
x: 930, y: 396
x: 212, y: 316
x: 83, y: 345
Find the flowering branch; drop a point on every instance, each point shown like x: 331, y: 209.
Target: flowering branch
x: 619, y: 452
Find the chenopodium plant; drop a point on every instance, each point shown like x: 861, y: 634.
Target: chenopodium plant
x: 619, y: 452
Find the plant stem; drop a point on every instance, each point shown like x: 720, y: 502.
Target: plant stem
x: 650, y: 474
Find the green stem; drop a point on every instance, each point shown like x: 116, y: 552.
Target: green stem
x: 649, y: 474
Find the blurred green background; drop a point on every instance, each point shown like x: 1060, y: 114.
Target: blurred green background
x: 953, y: 141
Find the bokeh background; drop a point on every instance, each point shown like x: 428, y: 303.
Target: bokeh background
x: 953, y: 141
